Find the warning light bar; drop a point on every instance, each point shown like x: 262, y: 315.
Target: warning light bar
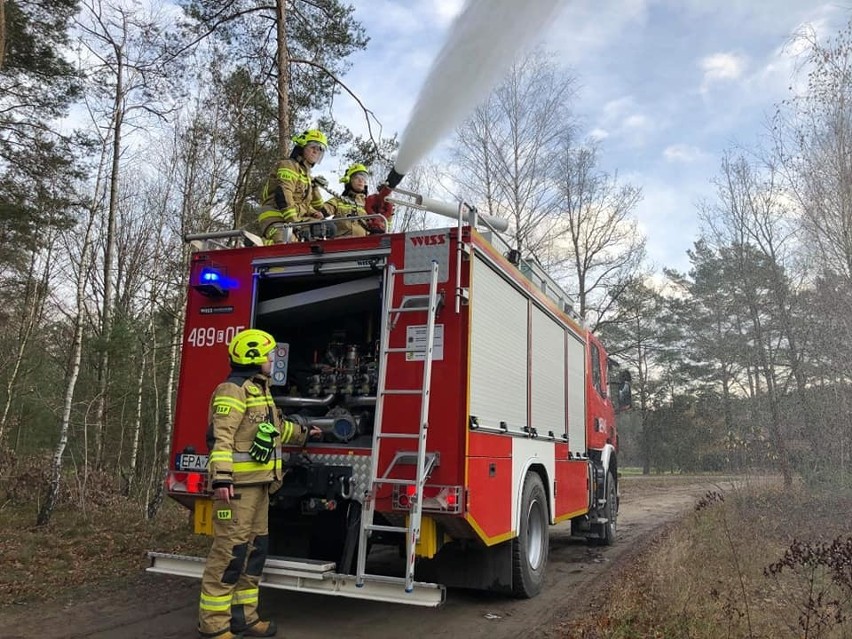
x: 212, y: 281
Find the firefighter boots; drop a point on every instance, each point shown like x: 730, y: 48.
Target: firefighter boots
x: 259, y: 629
x: 225, y: 634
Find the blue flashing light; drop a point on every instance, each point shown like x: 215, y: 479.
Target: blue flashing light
x: 210, y: 275
x: 213, y: 281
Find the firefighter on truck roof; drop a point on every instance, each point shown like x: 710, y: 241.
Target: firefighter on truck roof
x: 290, y: 194
x: 245, y: 435
x: 354, y: 202
x: 350, y: 204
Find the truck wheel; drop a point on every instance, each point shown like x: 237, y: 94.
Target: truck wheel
x: 610, y: 511
x: 529, y: 548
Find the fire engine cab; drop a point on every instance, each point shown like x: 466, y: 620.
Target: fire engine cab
x: 464, y: 406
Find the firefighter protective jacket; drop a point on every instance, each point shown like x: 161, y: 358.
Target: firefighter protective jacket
x: 348, y: 207
x: 237, y: 406
x: 289, y: 195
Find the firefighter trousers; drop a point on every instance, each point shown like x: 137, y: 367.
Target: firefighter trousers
x: 229, y: 586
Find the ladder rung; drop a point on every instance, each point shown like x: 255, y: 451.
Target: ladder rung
x: 398, y: 435
x: 384, y: 579
x: 402, y: 271
x: 403, y: 349
x: 394, y: 481
x: 409, y: 309
x: 378, y: 528
x: 402, y: 391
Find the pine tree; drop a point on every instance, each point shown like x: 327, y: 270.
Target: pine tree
x: 296, y: 50
x: 36, y: 86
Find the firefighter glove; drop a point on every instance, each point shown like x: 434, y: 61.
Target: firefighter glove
x: 320, y: 181
x: 375, y: 225
x: 264, y: 442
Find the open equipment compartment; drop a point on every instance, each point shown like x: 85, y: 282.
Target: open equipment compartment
x: 328, y: 331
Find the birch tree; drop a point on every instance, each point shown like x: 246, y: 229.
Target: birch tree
x: 126, y: 74
x: 813, y: 134
x: 30, y: 317
x: 83, y: 272
x: 603, y: 248
x: 504, y: 153
x: 196, y: 193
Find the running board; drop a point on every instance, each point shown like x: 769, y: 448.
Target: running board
x: 307, y: 575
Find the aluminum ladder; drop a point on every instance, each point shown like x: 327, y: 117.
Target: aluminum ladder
x: 424, y: 461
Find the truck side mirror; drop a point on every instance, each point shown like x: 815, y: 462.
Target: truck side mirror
x: 625, y: 399
x: 620, y: 392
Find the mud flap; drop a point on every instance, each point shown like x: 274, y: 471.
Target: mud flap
x: 350, y: 545
x: 469, y: 565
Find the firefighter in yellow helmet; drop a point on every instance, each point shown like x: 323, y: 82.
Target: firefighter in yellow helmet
x: 355, y: 203
x: 244, y: 436
x: 290, y: 194
x: 349, y: 206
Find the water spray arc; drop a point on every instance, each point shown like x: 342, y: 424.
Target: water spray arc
x: 482, y: 43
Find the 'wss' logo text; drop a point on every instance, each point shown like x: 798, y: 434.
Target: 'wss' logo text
x: 428, y: 240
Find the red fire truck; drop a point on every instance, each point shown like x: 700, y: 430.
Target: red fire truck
x: 465, y: 408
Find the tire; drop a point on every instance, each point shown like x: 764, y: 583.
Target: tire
x: 530, y: 547
x: 610, y: 511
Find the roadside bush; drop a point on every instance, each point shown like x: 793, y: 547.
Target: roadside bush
x: 758, y: 562
x: 823, y: 572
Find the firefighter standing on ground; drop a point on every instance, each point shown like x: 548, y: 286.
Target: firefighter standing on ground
x: 290, y: 194
x: 354, y: 203
x: 244, y: 437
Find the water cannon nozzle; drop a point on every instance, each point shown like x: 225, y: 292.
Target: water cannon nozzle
x: 394, y: 178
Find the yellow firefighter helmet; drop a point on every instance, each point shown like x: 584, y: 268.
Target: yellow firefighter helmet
x: 311, y: 135
x: 251, y: 346
x: 352, y: 170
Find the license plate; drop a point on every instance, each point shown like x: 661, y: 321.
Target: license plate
x: 203, y: 517
x: 191, y: 462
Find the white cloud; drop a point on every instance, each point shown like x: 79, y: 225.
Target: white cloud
x: 721, y: 67
x: 683, y: 153
x: 637, y: 122
x: 621, y: 119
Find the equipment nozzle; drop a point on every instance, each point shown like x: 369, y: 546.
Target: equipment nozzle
x: 394, y: 178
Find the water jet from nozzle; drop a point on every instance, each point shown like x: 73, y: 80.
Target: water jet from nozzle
x: 482, y: 43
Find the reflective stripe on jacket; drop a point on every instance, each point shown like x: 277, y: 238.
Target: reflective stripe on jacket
x: 237, y: 406
x: 347, y: 210
x: 288, y: 195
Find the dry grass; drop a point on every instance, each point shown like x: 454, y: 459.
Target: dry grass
x: 707, y: 577
x: 98, y: 540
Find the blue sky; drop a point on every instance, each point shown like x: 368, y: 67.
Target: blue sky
x: 666, y: 85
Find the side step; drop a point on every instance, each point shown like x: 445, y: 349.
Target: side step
x: 307, y: 575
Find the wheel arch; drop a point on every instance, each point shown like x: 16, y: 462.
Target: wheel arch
x: 609, y: 457
x: 533, y: 466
